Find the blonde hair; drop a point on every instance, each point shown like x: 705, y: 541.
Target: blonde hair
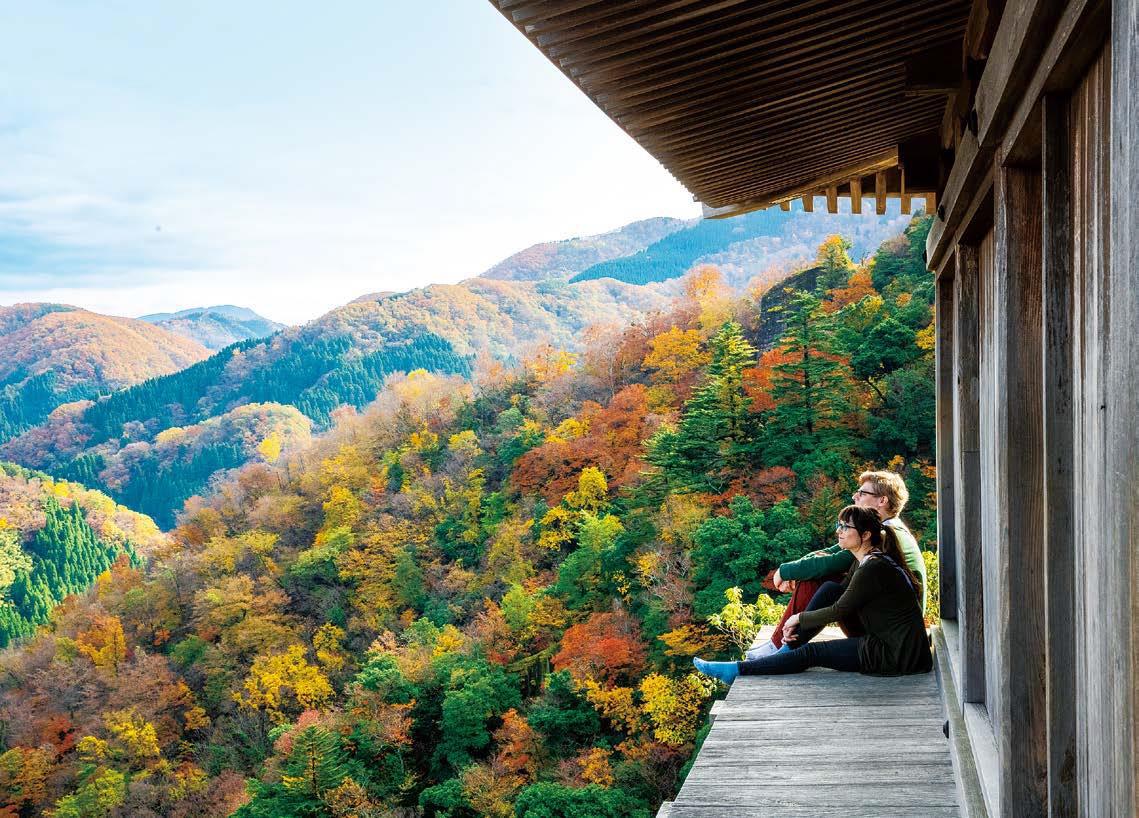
x: 889, y: 485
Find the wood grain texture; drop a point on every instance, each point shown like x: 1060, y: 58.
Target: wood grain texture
x: 824, y: 743
x: 1121, y: 517
x: 967, y: 472
x: 1060, y: 502
x: 1019, y: 519
x: 946, y: 505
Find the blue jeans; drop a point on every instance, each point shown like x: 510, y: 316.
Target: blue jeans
x: 837, y: 654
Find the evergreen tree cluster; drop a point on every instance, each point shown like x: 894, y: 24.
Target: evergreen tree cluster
x: 65, y: 558
x: 27, y: 400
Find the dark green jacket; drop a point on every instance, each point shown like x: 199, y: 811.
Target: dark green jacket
x: 833, y: 560
x: 880, y: 595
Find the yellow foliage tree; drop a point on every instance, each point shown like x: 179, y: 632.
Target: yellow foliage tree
x: 706, y: 290
x: 284, y: 683
x: 135, y: 739
x: 104, y: 643
x: 592, y: 491
x: 674, y: 706
x: 741, y: 622
x: 675, y: 354
x: 270, y: 447
x: 616, y: 704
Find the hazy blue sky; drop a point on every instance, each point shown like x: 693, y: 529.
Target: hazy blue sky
x: 290, y: 156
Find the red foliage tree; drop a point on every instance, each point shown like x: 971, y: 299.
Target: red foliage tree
x: 606, y: 647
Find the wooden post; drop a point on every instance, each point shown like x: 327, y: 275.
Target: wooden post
x: 967, y: 475
x: 809, y: 203
x: 1120, y: 545
x: 946, y: 505
x: 880, y: 192
x: 785, y: 205
x: 855, y: 195
x: 1060, y: 501
x: 832, y: 199
x: 1014, y: 481
x: 930, y: 204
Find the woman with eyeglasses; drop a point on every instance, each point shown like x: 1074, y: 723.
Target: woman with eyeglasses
x: 879, y: 591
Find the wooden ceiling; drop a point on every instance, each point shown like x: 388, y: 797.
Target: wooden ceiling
x: 754, y: 102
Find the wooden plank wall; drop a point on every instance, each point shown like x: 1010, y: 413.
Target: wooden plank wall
x: 1122, y: 514
x: 967, y: 473
x: 991, y: 396
x: 1060, y: 496
x: 946, y: 505
x: 1016, y: 536
x: 1104, y: 404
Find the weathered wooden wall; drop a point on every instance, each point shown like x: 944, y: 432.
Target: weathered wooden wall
x: 967, y: 473
x: 1121, y: 517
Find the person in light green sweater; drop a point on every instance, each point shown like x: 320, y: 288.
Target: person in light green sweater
x: 886, y: 493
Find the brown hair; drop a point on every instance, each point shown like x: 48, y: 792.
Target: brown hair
x: 882, y: 538
x: 889, y: 485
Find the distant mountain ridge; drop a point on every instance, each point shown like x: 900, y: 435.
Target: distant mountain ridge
x: 565, y: 258
x: 766, y: 243
x: 52, y: 354
x: 215, y: 327
x: 124, y: 443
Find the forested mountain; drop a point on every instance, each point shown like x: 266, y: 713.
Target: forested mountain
x: 562, y: 259
x: 480, y: 598
x: 55, y: 539
x: 215, y: 327
x: 762, y: 246
x: 52, y: 354
x: 341, y: 358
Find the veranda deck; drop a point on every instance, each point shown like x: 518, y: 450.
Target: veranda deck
x: 823, y: 744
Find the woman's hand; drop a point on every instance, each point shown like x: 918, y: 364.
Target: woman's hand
x: 791, y: 628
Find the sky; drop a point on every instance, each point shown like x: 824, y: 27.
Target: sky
x: 289, y: 157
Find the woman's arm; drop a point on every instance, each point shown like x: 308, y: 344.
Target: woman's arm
x: 862, y: 588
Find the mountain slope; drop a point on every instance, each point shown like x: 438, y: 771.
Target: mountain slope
x: 764, y: 243
x: 52, y: 354
x: 562, y: 259
x: 342, y: 358
x: 56, y: 537
x: 215, y: 327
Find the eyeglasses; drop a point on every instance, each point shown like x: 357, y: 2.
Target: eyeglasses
x: 857, y: 492
x: 839, y: 526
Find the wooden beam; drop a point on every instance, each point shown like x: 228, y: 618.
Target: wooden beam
x: 1074, y: 43
x: 1008, y: 97
x: 809, y: 203
x: 1020, y: 40
x: 882, y: 162
x: 880, y: 192
x: 946, y: 504
x: 832, y: 199
x: 856, y: 195
x: 930, y: 204
x: 967, y: 473
x: 1060, y: 501
x: 785, y: 205
x: 1013, y: 478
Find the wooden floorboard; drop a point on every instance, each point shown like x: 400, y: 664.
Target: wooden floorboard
x: 823, y: 744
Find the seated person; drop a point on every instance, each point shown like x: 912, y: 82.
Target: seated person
x: 881, y: 593
x: 886, y: 493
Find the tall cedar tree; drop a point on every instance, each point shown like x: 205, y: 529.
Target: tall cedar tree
x: 810, y: 388
x: 717, y: 432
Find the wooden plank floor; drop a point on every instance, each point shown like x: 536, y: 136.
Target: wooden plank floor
x: 822, y: 744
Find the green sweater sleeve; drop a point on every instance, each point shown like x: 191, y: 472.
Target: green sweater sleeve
x: 827, y: 562
x: 862, y: 588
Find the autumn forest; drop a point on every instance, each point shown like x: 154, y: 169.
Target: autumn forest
x: 443, y: 581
